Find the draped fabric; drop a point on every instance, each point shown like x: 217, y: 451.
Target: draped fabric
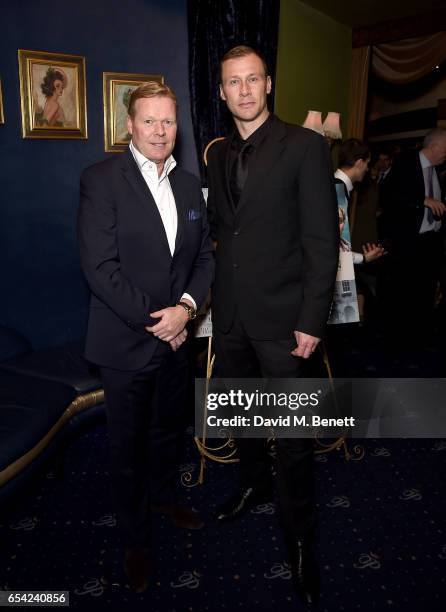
x: 214, y: 27
x: 397, y: 62
x: 408, y: 60
x: 359, y: 79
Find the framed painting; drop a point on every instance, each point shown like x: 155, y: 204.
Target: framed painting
x: 118, y: 87
x: 53, y: 95
x: 2, y: 114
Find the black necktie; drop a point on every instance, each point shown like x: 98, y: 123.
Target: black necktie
x: 241, y: 168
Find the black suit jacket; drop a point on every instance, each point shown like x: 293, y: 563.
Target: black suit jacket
x: 402, y: 199
x: 126, y: 258
x: 277, y: 253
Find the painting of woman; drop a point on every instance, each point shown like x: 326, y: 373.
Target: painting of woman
x: 52, y: 95
x: 52, y: 87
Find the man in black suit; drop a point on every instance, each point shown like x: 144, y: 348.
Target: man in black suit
x: 413, y: 207
x: 383, y: 165
x: 272, y: 208
x: 146, y: 254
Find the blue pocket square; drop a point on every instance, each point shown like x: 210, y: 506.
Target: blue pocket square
x: 193, y: 215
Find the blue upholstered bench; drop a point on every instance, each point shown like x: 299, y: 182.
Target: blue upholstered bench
x: 44, y: 395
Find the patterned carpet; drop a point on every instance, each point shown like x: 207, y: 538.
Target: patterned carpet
x: 382, y: 542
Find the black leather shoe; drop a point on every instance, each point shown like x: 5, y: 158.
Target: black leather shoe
x: 304, y: 571
x: 137, y: 568
x: 238, y: 505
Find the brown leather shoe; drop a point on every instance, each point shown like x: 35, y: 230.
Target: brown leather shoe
x: 181, y: 516
x: 137, y: 568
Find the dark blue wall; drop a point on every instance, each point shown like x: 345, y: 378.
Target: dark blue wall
x: 42, y: 291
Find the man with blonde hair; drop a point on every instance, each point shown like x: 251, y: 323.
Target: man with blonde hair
x: 148, y: 260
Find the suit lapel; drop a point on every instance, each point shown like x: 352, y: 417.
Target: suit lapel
x: 223, y: 162
x: 419, y: 174
x: 133, y: 176
x: 181, y: 205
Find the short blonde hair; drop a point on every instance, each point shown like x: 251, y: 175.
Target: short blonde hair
x: 242, y: 51
x: 150, y: 89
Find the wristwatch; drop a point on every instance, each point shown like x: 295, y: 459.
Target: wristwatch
x: 191, y: 312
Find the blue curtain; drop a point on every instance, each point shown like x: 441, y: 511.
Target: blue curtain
x: 214, y: 27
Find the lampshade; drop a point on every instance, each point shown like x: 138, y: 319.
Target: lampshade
x: 314, y: 122
x: 331, y: 126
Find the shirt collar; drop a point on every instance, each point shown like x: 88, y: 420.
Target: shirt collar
x: 425, y: 163
x: 340, y: 174
x: 257, y: 136
x: 144, y: 163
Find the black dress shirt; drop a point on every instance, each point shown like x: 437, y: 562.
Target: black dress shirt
x: 248, y: 148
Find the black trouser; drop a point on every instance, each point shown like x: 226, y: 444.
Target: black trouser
x: 238, y: 356
x: 414, y: 274
x: 145, y: 418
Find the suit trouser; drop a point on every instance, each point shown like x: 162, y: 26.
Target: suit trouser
x: 415, y: 271
x: 238, y: 356
x: 145, y: 418
x: 427, y: 262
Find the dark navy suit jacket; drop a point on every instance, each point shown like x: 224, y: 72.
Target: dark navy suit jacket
x: 402, y: 200
x: 126, y: 259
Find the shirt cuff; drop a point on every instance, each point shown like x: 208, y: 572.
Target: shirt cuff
x: 190, y: 298
x: 357, y: 258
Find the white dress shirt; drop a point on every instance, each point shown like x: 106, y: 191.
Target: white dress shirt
x: 383, y: 174
x: 163, y: 195
x: 340, y: 174
x: 425, y: 225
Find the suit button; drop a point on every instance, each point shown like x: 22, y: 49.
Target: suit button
x: 235, y: 265
x: 236, y: 232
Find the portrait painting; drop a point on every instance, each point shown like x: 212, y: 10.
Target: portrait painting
x: 118, y: 88
x: 52, y: 89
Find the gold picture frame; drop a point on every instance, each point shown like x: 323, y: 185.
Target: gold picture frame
x: 53, y: 95
x: 2, y: 113
x: 117, y: 87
